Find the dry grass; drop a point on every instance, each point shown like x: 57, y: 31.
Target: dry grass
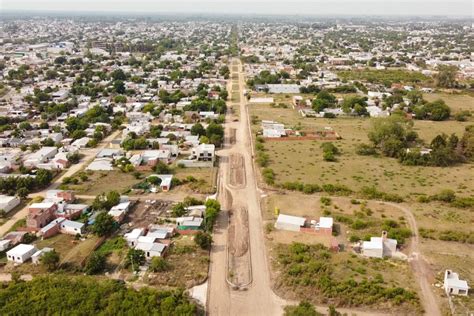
x: 302, y: 160
x: 70, y: 250
x: 457, y: 102
x: 187, y: 267
x: 104, y: 181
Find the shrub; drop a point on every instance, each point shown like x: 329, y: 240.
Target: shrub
x: 203, y: 240
x: 158, y: 264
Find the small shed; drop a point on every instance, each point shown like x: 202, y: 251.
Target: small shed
x: 291, y: 223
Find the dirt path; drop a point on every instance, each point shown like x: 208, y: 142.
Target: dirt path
x: 419, y: 265
x: 89, y: 155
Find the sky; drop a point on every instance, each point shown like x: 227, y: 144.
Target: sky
x: 450, y: 8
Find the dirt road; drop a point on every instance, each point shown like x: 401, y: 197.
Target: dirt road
x: 89, y: 155
x: 259, y: 299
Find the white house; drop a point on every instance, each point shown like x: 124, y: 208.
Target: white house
x: 132, y: 237
x: 21, y: 253
x: 4, y: 244
x: 7, y: 203
x: 204, y: 152
x: 71, y: 227
x: 453, y: 285
x: 379, y: 247
x: 151, y: 249
x: 288, y: 222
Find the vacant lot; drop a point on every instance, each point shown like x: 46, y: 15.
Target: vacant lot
x: 188, y: 265
x: 457, y: 102
x: 98, y: 182
x: 302, y: 160
x: 343, y: 279
x: 71, y: 250
x: 205, y: 179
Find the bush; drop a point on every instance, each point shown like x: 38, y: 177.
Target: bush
x: 325, y: 200
x: 365, y: 150
x: 158, y: 264
x: 203, y: 240
x: 95, y: 264
x: 50, y: 260
x: 268, y: 176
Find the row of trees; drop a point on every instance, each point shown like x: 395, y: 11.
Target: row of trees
x: 22, y: 186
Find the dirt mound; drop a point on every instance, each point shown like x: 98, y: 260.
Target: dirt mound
x: 237, y: 170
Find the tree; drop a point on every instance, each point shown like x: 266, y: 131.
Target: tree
x: 120, y: 99
x: 104, y: 224
x: 105, y: 201
x: 391, y: 135
x: 135, y: 258
x: 446, y: 77
x: 119, y: 86
x: 198, y: 129
x: 158, y: 264
x: 203, y: 240
x: 50, y: 260
x: 95, y: 264
x: 302, y: 309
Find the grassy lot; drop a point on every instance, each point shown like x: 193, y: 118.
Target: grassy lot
x: 104, y: 181
x: 343, y: 279
x: 71, y: 251
x: 302, y: 160
x: 205, y: 179
x: 457, y: 102
x: 188, y: 265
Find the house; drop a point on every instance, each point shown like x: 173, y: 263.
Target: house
x: 41, y: 156
x: 151, y: 249
x: 110, y: 153
x: 7, y: 203
x: 51, y: 229
x: 283, y: 88
x: 379, y: 247
x: 165, y: 184
x: 204, y: 152
x: 15, y: 237
x: 21, y: 253
x: 37, y: 255
x: 119, y: 211
x: 453, y: 285
x: 324, y: 225
x: 71, y: 227
x: 291, y: 223
x: 132, y: 237
x: 189, y: 223
x: 81, y: 142
x: 273, y: 129
x: 40, y: 214
x: 60, y: 195
x: 4, y: 244
x: 101, y: 164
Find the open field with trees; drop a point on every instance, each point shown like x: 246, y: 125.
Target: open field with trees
x: 313, y: 273
x: 302, y: 161
x: 457, y: 102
